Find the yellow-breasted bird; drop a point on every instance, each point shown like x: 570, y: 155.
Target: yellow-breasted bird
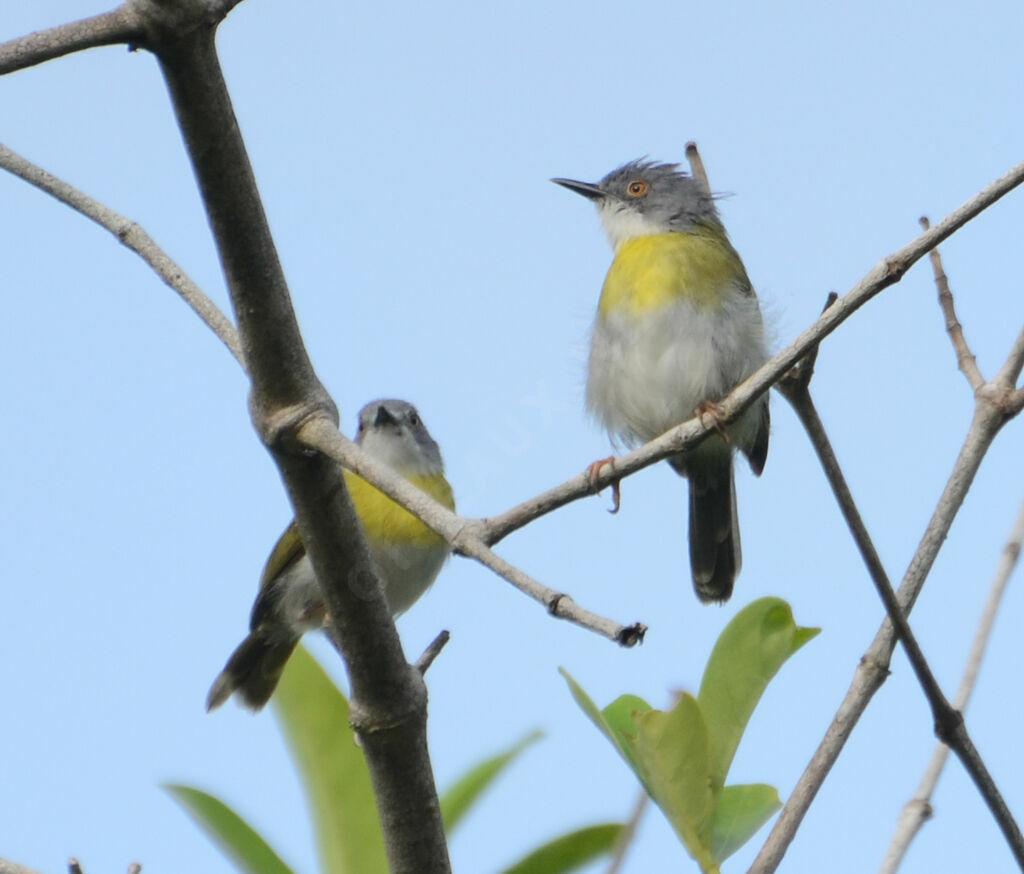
x: 407, y: 553
x: 678, y: 326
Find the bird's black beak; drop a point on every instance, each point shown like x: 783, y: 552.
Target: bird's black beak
x: 587, y: 189
x: 384, y: 418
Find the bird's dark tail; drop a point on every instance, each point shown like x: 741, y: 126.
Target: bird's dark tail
x: 715, y: 555
x: 254, y: 669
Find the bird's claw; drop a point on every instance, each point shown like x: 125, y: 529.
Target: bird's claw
x: 713, y: 412
x: 593, y: 475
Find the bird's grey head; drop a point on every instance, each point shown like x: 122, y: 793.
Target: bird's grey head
x: 644, y: 197
x: 392, y: 431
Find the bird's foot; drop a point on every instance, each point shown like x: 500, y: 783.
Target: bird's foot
x: 594, y: 473
x: 714, y: 413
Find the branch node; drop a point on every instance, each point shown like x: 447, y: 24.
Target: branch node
x: 948, y: 724
x: 554, y: 604
x: 366, y: 721
x: 279, y: 428
x: 895, y: 267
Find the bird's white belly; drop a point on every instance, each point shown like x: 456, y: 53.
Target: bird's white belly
x: 651, y: 372
x: 407, y: 571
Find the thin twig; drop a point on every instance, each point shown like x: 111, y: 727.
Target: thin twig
x: 7, y: 867
x: 949, y: 725
x: 109, y: 28
x: 628, y: 833
x: 919, y: 808
x: 132, y: 235
x: 1009, y: 373
x: 321, y: 435
x: 965, y: 359
x: 992, y: 410
x: 697, y: 166
x: 424, y: 662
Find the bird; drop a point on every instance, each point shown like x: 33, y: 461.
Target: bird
x: 407, y: 553
x: 678, y: 325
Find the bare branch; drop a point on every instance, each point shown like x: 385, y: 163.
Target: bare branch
x: 14, y: 868
x: 424, y: 662
x: 135, y: 238
x: 697, y: 166
x: 388, y: 700
x: 1009, y: 373
x: 993, y: 408
x: 919, y: 809
x: 949, y: 725
x: 965, y: 359
x: 462, y: 534
x: 109, y: 28
x: 886, y: 273
x: 625, y: 840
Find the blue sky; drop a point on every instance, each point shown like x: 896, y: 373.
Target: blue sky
x: 403, y: 153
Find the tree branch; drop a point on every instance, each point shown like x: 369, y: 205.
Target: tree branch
x: 461, y: 533
x: 119, y: 25
x: 919, y: 809
x: 993, y: 408
x: 135, y: 238
x: 388, y: 695
x: 965, y: 359
x: 14, y: 868
x: 886, y: 273
x: 696, y: 163
x: 432, y: 651
x: 949, y: 725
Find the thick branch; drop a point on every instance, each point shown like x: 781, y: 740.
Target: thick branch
x: 135, y: 238
x: 110, y: 28
x: 918, y: 809
x: 388, y: 694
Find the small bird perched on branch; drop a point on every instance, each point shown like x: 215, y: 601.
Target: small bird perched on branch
x: 678, y: 326
x: 407, y: 553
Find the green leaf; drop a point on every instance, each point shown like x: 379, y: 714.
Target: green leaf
x: 235, y: 837
x: 671, y: 755
x: 460, y: 797
x: 742, y: 810
x: 749, y: 652
x: 313, y: 715
x: 615, y: 721
x: 674, y: 752
x: 569, y: 852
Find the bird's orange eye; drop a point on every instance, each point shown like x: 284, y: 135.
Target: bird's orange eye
x: 637, y: 188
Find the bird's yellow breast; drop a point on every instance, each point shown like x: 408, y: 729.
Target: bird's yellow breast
x: 653, y: 271
x: 385, y: 520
